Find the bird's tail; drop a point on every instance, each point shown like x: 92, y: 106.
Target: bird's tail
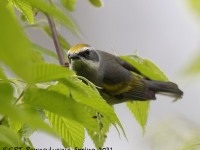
x: 166, y: 88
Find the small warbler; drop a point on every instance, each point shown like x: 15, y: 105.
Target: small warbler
x: 119, y: 80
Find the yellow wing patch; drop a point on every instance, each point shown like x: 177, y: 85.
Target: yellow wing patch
x: 77, y: 48
x: 117, y: 88
x: 120, y: 88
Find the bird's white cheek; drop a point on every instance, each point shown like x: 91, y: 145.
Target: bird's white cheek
x: 71, y: 65
x: 75, y: 64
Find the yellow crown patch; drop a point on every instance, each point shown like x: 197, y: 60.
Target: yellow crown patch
x: 77, y: 48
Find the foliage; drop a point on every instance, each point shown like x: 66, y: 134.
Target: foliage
x: 35, y: 90
x: 182, y: 134
x: 140, y: 108
x: 194, y: 68
x: 96, y: 3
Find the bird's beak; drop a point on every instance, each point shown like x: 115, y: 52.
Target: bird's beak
x: 73, y: 56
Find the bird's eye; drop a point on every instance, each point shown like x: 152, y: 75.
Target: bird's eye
x: 87, y: 52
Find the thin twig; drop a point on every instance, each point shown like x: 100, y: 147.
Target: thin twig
x: 56, y: 41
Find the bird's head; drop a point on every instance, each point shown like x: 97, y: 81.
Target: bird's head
x: 83, y: 57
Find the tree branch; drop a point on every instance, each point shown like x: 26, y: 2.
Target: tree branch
x: 56, y: 41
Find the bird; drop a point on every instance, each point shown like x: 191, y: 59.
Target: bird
x: 119, y: 81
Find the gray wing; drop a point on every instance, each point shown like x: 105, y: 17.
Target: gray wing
x: 131, y: 68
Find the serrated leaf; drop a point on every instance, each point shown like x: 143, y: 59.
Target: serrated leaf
x: 103, y: 123
x: 17, y: 114
x: 96, y: 3
x: 62, y: 105
x: 2, y: 145
x: 69, y: 4
x: 86, y: 95
x: 23, y: 116
x: 146, y: 66
x: 99, y: 139
x: 140, y: 109
x: 15, y: 125
x: 71, y: 132
x: 25, y: 9
x: 64, y: 44
x: 43, y: 72
x: 42, y: 50
x: 11, y: 8
x: 9, y: 138
x: 15, y: 49
x: 47, y: 8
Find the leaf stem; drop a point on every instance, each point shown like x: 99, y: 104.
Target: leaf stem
x: 56, y: 41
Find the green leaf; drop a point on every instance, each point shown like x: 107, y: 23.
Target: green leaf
x: 18, y: 114
x: 99, y: 139
x: 9, y: 138
x: 2, y: 145
x: 146, y: 66
x: 47, y: 8
x: 43, y: 72
x: 26, y: 131
x: 6, y: 92
x: 36, y: 57
x: 28, y: 128
x: 194, y: 67
x: 59, y: 100
x: 64, y: 44
x: 42, y: 50
x: 103, y: 123
x: 15, y: 49
x: 25, y: 9
x: 69, y: 4
x: 2, y: 75
x: 28, y: 142
x: 90, y: 97
x: 140, y: 111
x: 15, y: 125
x: 86, y: 95
x: 195, y: 5
x: 62, y: 105
x: 194, y: 146
x: 24, y: 116
x: 10, y: 8
x: 6, y: 95
x: 96, y: 3
x: 71, y: 132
